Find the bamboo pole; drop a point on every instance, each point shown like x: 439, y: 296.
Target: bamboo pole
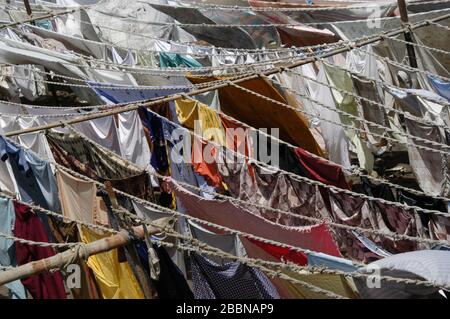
x: 175, y: 96
x: 41, y: 17
x: 100, y: 246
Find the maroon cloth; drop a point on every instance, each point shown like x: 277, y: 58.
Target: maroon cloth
x: 321, y: 170
x: 28, y: 226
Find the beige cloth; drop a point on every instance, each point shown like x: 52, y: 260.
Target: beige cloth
x: 79, y: 200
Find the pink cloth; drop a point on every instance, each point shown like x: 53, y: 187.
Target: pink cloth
x: 225, y: 213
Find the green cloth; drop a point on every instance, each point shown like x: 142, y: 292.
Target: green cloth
x: 342, y: 80
x: 172, y: 60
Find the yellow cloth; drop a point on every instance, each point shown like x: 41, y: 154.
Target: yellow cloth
x: 260, y: 113
x: 189, y: 111
x: 334, y: 283
x: 79, y: 201
x: 116, y: 280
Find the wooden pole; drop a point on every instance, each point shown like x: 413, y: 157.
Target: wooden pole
x: 28, y: 7
x: 100, y: 246
x: 408, y: 37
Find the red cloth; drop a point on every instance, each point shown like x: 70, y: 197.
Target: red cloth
x: 206, y: 168
x: 282, y: 254
x: 28, y: 226
x: 321, y: 170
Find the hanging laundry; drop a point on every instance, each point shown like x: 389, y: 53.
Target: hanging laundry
x: 80, y: 202
x: 331, y: 262
x: 7, y: 248
x: 347, y: 103
x: 228, y: 214
x: 440, y: 86
x: 102, y: 131
x: 333, y: 133
x: 362, y: 213
x: 116, y: 280
x: 104, y: 163
x: 321, y: 170
x: 273, y: 189
x: 28, y: 226
x: 229, y: 280
x: 430, y: 168
x: 261, y: 113
x: 374, y: 113
x: 229, y: 243
x: 173, y: 60
x: 132, y: 140
x: 288, y: 290
x: 64, y: 232
x: 171, y: 283
x: 123, y: 94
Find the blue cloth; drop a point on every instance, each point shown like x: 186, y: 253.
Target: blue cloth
x: 34, y: 178
x: 173, y: 60
x: 154, y: 125
x: 45, y: 24
x: 232, y: 280
x: 46, y: 180
x: 440, y: 87
x: 324, y: 260
x: 132, y: 94
x: 8, y: 149
x: 7, y: 249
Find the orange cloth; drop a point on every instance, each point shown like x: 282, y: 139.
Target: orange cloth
x: 261, y: 113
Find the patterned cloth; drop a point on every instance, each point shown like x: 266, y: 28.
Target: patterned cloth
x: 104, y: 164
x: 229, y: 281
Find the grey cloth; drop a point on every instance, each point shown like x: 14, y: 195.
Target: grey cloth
x: 430, y: 265
x: 375, y: 114
x: 430, y: 168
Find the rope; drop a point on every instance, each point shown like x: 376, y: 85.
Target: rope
x: 351, y: 172
x: 297, y: 268
x: 392, y: 235
x: 372, y: 102
x: 420, y: 46
x: 349, y: 126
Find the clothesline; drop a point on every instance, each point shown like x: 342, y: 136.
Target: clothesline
x: 198, y: 50
x: 244, y: 51
x: 294, y: 176
x: 172, y: 98
x: 292, y: 146
x: 346, y: 169
x: 203, y: 247
x: 393, y: 236
x: 402, y: 65
x: 420, y: 46
x: 349, y: 93
x: 204, y: 6
x: 360, y: 119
